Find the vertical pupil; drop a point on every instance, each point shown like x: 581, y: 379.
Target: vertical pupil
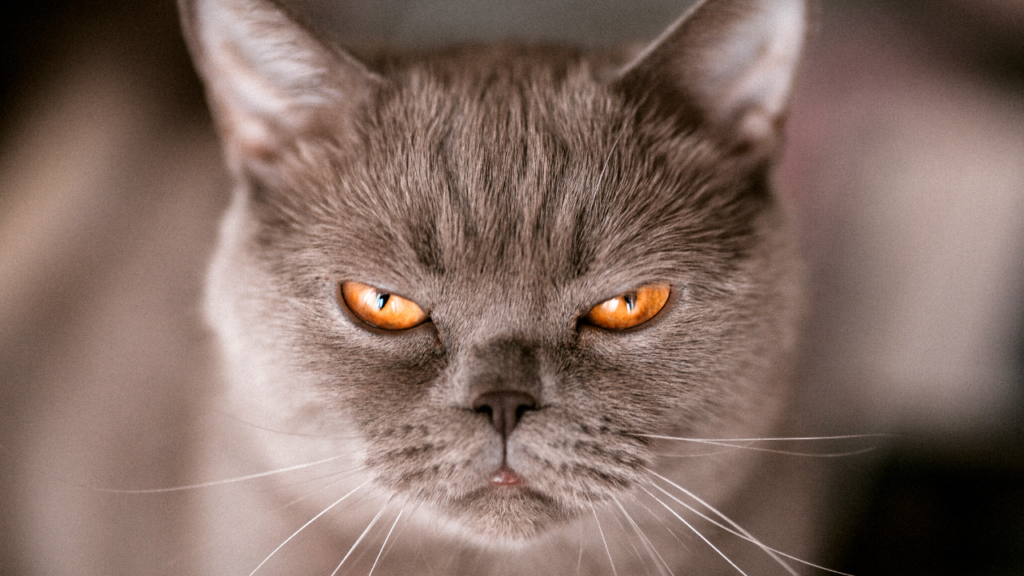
x: 382, y: 300
x: 630, y: 301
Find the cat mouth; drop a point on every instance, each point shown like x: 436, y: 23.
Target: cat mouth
x: 507, y: 511
x: 506, y: 477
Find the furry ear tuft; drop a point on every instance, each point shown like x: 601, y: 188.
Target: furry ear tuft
x: 269, y: 79
x: 727, y: 65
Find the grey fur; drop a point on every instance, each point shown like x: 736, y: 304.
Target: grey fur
x: 506, y: 190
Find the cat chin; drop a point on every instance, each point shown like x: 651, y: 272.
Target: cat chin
x: 500, y: 517
x: 510, y: 515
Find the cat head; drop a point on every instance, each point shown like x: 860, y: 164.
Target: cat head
x: 490, y: 274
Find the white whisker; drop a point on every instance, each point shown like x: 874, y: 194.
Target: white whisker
x: 386, y: 538
x: 579, y: 559
x: 182, y: 488
x: 360, y: 539
x: 226, y: 414
x: 216, y: 541
x: 606, y: 548
x: 768, y: 439
x: 334, y: 482
x: 412, y: 509
x: 651, y: 550
x: 636, y: 551
x: 701, y: 455
x: 664, y: 524
x: 767, y: 549
x: 772, y: 451
x: 745, y: 444
x: 417, y: 557
x: 694, y: 530
x: 753, y: 541
x: 296, y: 533
x: 217, y: 482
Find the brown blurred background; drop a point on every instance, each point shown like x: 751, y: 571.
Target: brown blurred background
x: 905, y: 167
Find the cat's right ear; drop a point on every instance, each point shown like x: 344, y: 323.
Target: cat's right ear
x: 269, y: 79
x: 727, y: 67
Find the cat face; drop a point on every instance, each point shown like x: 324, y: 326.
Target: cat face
x: 502, y: 194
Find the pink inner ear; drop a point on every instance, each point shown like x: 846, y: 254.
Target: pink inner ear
x: 245, y: 134
x: 257, y: 150
x: 753, y: 65
x: 267, y: 75
x: 733, y: 61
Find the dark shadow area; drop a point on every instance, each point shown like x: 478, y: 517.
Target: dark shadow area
x: 935, y: 512
x: 40, y: 40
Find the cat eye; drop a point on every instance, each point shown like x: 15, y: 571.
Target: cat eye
x: 379, y: 308
x: 629, y: 309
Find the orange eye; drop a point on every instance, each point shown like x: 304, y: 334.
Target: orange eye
x: 380, y: 309
x: 630, y: 309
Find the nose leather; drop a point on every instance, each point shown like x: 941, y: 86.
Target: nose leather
x: 504, y: 409
x: 504, y: 382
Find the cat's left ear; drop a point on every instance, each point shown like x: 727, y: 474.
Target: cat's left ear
x: 269, y: 79
x: 727, y: 66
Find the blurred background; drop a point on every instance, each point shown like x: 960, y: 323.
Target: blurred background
x: 905, y: 169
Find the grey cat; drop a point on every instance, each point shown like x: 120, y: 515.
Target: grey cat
x: 497, y: 309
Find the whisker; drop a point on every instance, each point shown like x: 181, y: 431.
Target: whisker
x: 245, y: 422
x: 701, y: 455
x: 606, y: 548
x: 759, y: 544
x: 664, y: 524
x: 412, y: 509
x: 745, y: 444
x: 336, y: 478
x: 694, y: 530
x: 182, y: 488
x: 579, y: 559
x: 773, y: 451
x: 397, y: 518
x: 216, y: 482
x: 217, y: 540
x: 360, y: 539
x: 625, y: 531
x: 417, y: 558
x: 767, y: 549
x: 296, y: 533
x: 768, y: 439
x: 651, y: 550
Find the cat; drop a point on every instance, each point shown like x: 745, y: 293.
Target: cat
x: 489, y: 309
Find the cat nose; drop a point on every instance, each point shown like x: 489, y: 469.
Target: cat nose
x: 504, y: 409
